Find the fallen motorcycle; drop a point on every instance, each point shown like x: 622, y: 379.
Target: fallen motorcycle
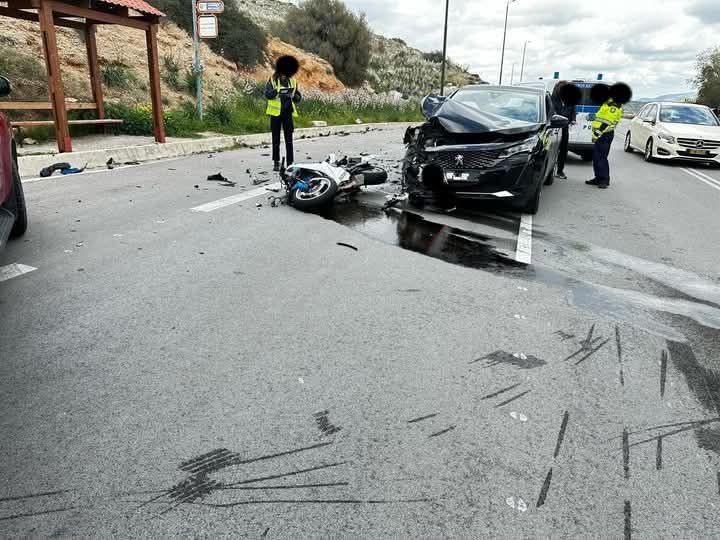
x: 312, y: 187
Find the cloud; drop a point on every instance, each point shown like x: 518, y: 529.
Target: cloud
x: 708, y: 11
x: 650, y: 44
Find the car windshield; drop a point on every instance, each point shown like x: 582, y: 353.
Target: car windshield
x: 686, y: 114
x: 517, y: 105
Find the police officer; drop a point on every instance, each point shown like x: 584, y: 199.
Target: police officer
x: 283, y: 95
x: 603, y: 128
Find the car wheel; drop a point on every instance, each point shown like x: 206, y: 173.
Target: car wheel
x: 533, y: 204
x: 586, y: 156
x: 628, y: 143
x: 21, y: 221
x: 649, y: 151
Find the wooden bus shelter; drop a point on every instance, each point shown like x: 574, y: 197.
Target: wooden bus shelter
x: 86, y: 15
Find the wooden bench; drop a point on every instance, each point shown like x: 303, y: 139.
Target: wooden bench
x: 45, y: 106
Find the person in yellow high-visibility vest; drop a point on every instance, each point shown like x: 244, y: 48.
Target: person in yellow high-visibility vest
x: 283, y: 96
x: 603, y: 130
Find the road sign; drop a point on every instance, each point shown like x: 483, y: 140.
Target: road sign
x: 211, y: 8
x: 207, y: 26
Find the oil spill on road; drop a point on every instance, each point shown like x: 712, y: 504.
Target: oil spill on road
x: 413, y: 232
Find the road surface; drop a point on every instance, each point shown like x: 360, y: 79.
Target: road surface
x: 172, y: 365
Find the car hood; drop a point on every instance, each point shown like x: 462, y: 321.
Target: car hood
x: 459, y: 118
x: 692, y: 132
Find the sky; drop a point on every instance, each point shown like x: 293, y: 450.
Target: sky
x: 650, y: 44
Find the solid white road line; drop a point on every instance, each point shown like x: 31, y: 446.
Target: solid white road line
x: 523, y: 253
x: 234, y: 199
x: 14, y: 270
x: 709, y: 180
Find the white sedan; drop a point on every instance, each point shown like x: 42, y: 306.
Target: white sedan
x: 681, y: 131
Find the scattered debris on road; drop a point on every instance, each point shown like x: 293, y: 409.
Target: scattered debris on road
x: 323, y: 422
x: 218, y: 177
x: 343, y: 244
x: 47, y: 171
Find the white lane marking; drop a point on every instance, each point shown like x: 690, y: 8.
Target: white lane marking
x: 234, y: 199
x: 706, y: 176
x: 523, y: 254
x: 703, y: 178
x: 14, y: 270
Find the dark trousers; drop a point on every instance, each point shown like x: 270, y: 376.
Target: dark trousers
x: 284, y: 122
x: 601, y: 151
x: 562, y: 155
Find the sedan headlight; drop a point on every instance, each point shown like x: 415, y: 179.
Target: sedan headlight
x: 665, y: 136
x: 528, y: 145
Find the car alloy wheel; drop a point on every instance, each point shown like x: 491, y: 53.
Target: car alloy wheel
x: 649, y: 150
x: 628, y: 143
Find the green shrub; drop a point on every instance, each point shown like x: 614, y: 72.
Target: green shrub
x: 333, y: 32
x: 189, y: 82
x: 219, y: 111
x: 118, y: 75
x: 171, y: 71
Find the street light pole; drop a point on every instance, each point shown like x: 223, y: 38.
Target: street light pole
x: 522, y: 66
x: 197, y: 64
x: 444, y: 60
x: 502, y: 57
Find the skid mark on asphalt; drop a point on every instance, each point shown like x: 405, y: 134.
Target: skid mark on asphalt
x: 561, y: 434
x: 421, y: 418
x: 442, y: 432
x: 322, y: 418
x: 14, y: 270
x: 618, y: 346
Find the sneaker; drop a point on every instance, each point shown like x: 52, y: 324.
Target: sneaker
x: 593, y: 182
x: 561, y: 175
x: 276, y: 167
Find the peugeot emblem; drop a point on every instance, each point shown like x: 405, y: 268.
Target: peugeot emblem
x: 459, y: 160
x: 700, y: 143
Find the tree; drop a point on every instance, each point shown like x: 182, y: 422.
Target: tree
x: 707, y: 77
x: 240, y: 40
x: 330, y: 30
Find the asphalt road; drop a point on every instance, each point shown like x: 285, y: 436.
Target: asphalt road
x: 236, y: 372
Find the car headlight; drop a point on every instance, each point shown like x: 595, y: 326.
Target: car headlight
x: 528, y: 145
x: 665, y: 136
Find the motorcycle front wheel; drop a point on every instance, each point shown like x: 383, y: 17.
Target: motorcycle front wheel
x: 320, y: 195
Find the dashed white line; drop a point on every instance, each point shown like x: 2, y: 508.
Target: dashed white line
x: 523, y: 253
x: 14, y: 270
x: 706, y: 179
x: 234, y: 199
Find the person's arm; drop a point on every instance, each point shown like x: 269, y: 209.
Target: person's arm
x: 270, y: 90
x: 297, y: 98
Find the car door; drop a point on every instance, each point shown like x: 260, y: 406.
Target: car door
x: 636, y: 125
x: 554, y: 135
x: 646, y: 126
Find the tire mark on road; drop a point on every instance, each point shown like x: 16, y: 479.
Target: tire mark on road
x: 34, y: 495
x: 496, y: 394
x: 592, y: 352
x: 658, y: 454
x: 512, y: 399
x: 443, y: 432
x: 626, y: 453
x: 283, y: 475
x: 628, y: 520
x: 31, y: 514
x: 420, y: 419
x: 544, y: 490
x: 663, y: 372
x: 618, y: 344
x: 561, y: 434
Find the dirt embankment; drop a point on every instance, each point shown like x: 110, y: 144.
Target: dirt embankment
x: 126, y: 46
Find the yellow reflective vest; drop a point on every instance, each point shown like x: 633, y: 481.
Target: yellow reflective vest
x: 606, y: 119
x: 274, y: 106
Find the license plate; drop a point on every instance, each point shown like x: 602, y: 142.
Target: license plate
x: 457, y: 176
x: 697, y: 152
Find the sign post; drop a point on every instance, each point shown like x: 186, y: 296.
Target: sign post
x: 197, y: 66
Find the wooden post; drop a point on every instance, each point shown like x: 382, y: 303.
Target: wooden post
x: 155, y: 91
x: 94, y: 68
x: 55, y: 85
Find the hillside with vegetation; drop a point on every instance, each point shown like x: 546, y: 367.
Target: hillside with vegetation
x: 380, y: 80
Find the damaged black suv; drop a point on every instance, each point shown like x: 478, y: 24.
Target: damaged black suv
x: 483, y: 142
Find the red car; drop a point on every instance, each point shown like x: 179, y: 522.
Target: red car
x: 13, y: 215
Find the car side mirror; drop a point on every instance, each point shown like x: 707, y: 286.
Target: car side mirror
x: 559, y: 122
x: 5, y: 87
x: 430, y: 104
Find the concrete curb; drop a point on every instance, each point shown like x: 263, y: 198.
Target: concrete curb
x: 30, y: 165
